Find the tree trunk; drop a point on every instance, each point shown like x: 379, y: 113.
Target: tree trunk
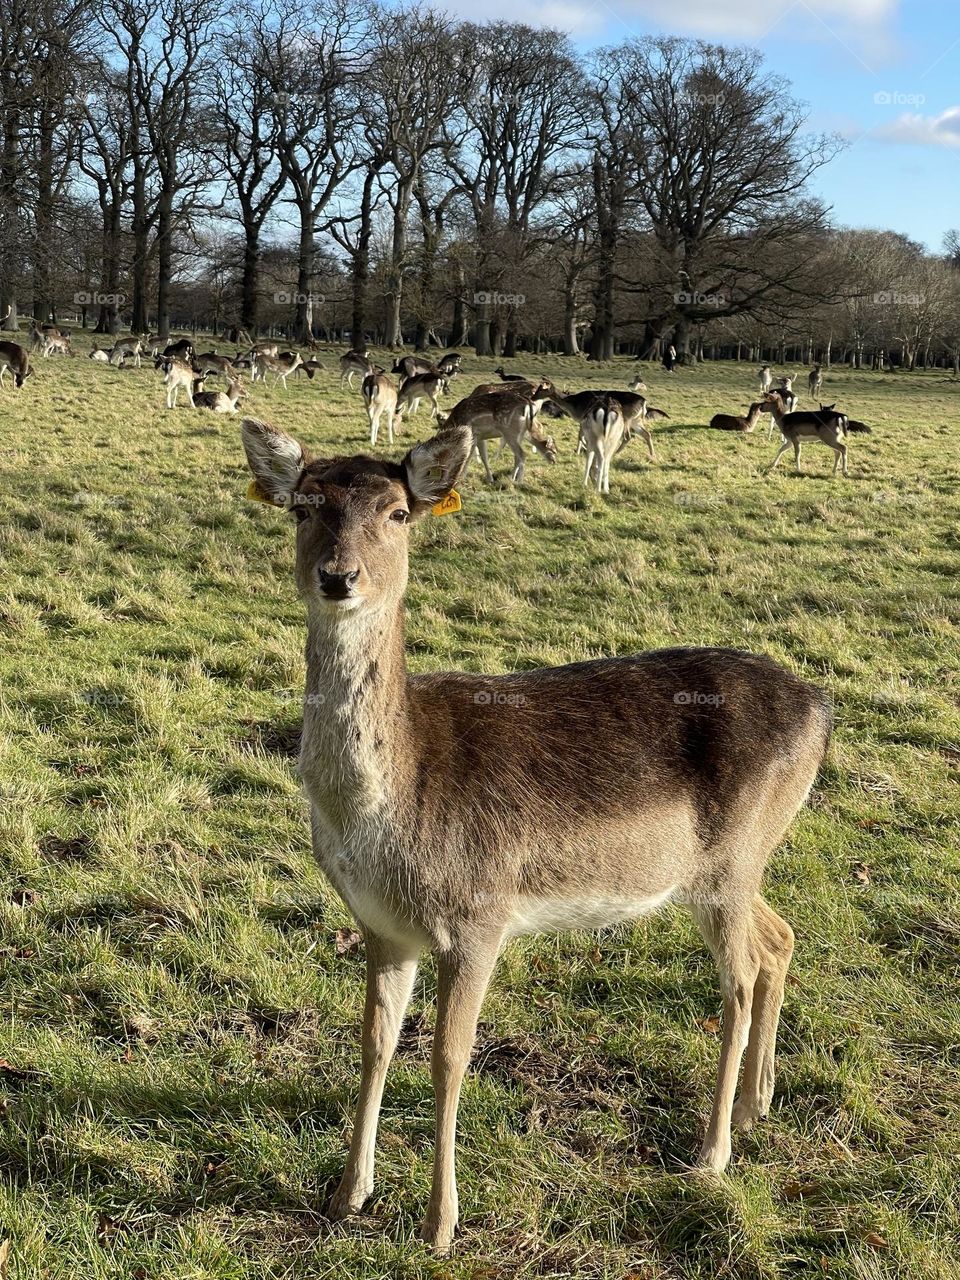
x: 361, y: 263
x: 164, y: 262
x: 306, y: 262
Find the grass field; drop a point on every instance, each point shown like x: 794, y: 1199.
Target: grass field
x: 179, y: 1052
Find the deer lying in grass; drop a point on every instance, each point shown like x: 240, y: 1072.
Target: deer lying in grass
x: 663, y: 777
x: 177, y: 375
x: 638, y: 384
x: 429, y: 386
x: 727, y: 421
x: 220, y: 401
x: 100, y: 355
x: 826, y: 425
x: 380, y: 398
x: 15, y: 358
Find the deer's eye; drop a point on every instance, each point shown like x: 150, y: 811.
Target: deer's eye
x: 401, y: 515
x: 301, y: 514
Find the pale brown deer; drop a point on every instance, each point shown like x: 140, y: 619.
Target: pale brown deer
x: 452, y: 811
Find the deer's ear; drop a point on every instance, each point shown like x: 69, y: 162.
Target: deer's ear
x: 435, y: 466
x: 275, y: 459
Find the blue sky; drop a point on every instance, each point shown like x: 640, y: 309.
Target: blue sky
x: 883, y: 73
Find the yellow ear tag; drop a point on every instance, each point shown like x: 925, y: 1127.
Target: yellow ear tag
x: 257, y: 494
x: 448, y: 505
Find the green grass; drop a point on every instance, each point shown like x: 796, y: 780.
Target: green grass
x: 180, y: 1039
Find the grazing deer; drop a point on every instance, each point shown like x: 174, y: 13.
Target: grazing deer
x: 766, y: 379
x: 380, y: 397
x: 633, y: 408
x: 603, y: 430
x: 826, y: 425
x: 309, y: 367
x: 451, y: 364
x: 407, y: 367
x: 727, y: 421
x: 176, y: 374
x: 420, y: 386
x: 15, y: 358
x: 815, y: 381
x: 281, y: 366
x: 356, y: 362
x: 666, y: 776
x: 125, y: 349
x: 56, y: 344
x: 508, y: 418
x: 220, y: 401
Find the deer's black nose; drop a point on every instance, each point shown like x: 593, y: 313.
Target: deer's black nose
x: 338, y: 585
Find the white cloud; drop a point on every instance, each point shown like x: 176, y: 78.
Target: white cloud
x: 753, y: 19
x: 937, y: 131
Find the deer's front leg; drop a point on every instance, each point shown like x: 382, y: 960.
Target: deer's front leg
x: 390, y: 974
x: 462, y: 981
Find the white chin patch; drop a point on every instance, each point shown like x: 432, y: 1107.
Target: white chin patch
x: 341, y: 606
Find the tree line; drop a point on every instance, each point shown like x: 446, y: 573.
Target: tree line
x: 340, y: 169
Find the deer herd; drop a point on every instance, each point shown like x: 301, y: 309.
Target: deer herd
x: 508, y: 411
x: 613, y: 787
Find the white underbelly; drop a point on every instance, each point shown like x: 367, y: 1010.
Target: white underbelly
x: 548, y: 915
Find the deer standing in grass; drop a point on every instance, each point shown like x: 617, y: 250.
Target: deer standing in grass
x: 668, y: 776
x: 380, y: 398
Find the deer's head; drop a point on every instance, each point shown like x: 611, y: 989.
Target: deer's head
x: 353, y: 513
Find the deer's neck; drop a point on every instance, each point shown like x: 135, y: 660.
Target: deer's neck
x: 355, y: 713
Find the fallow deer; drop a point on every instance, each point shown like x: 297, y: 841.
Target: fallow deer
x: 510, y: 418
x: 827, y: 425
x: 177, y: 374
x: 356, y: 362
x: 220, y: 401
x: 429, y: 386
x: 15, y: 358
x: 380, y: 398
x: 815, y: 381
x: 603, y: 429
x: 729, y: 422
x: 453, y: 811
x: 280, y: 365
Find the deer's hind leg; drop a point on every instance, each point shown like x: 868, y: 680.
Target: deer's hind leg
x: 729, y: 931
x: 774, y: 941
